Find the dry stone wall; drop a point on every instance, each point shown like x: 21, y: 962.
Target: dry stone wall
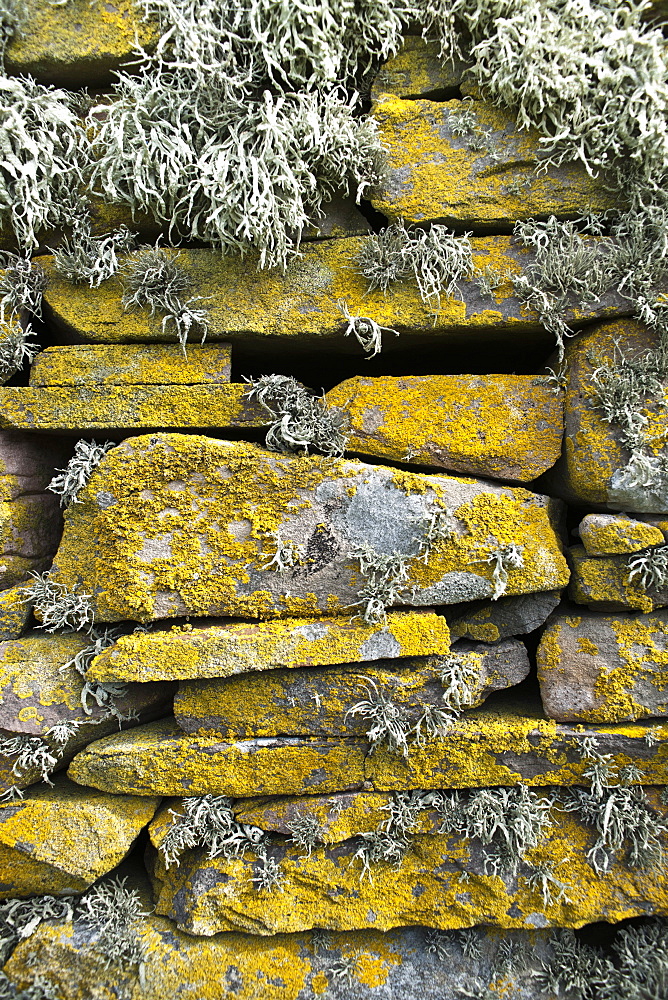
x: 333, y: 647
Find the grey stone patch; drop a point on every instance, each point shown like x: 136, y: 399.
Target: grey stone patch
x: 509, y: 615
x: 634, y: 498
x: 312, y: 631
x: 397, y: 530
x: 383, y: 645
x: 537, y: 920
x: 104, y: 499
x: 459, y: 585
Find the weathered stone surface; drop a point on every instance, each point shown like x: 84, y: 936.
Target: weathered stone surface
x: 604, y: 668
x: 222, y: 650
x: 171, y: 525
x: 208, y: 895
x: 399, y: 964
x: 27, y: 463
x: 602, y: 582
x: 418, y: 70
x: 508, y: 745
x: 77, y: 43
x: 317, y: 701
x: 30, y: 529
x: 489, y: 621
x: 615, y: 534
x: 594, y: 468
x: 142, y: 364
x: 486, y: 179
x: 61, y: 839
x: 15, y: 612
x: 300, y: 303
x: 503, y: 426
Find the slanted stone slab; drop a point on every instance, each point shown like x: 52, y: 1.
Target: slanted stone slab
x: 61, y: 839
x: 30, y: 529
x: 499, y: 426
x: 602, y: 582
x: 486, y: 179
x: 15, y: 612
x: 318, y: 701
x: 441, y: 882
x: 489, y: 621
x: 140, y: 364
x: 506, y: 746
x: 418, y: 70
x: 77, y: 43
x: 616, y: 534
x: 27, y: 464
x: 221, y: 650
x: 172, y: 524
x: 300, y: 304
x: 604, y: 668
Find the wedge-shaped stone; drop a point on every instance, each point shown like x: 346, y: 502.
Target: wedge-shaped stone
x: 605, y: 583
x: 616, y: 534
x: 489, y: 621
x: 442, y: 882
x: 418, y: 70
x: 300, y: 304
x: 28, y: 462
x: 140, y: 364
x: 77, y: 43
x: 186, y: 652
x: 486, y: 178
x: 501, y: 426
x: 15, y: 612
x: 61, y: 839
x: 171, y: 525
x: 507, y: 745
x: 604, y: 668
x: 320, y: 701
x: 30, y: 530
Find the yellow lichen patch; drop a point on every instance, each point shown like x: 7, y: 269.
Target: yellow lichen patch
x: 643, y: 648
x: 79, y: 42
x: 434, y: 174
x: 143, y: 364
x: 585, y: 645
x: 603, y: 582
x: 503, y: 426
x: 15, y: 610
x: 615, y: 534
x: 416, y: 69
x: 33, y: 674
x: 66, y: 837
x: 29, y: 533
x: 219, y: 651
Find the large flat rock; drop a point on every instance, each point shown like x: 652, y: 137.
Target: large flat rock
x: 172, y: 525
x: 507, y: 745
x: 595, y: 667
x: 224, y: 649
x: 498, y: 426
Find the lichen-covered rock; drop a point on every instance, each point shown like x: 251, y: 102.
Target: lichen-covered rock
x: 508, y: 745
x: 221, y: 650
x: 486, y: 178
x: 300, y: 304
x: 319, y: 701
x: 77, y: 43
x: 27, y: 463
x: 442, y: 882
x: 489, y: 621
x: 15, y: 612
x: 502, y: 426
x: 140, y: 364
x: 61, y: 839
x: 605, y: 583
x: 417, y: 70
x: 604, y: 668
x: 30, y: 529
x: 616, y: 534
x: 171, y: 525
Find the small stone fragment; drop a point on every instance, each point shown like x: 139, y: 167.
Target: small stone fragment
x: 30, y: 529
x: 498, y: 426
x: 186, y: 652
x: 615, y: 534
x: 15, y: 612
x: 489, y: 621
x: 604, y: 668
x: 28, y: 462
x: 604, y: 583
x: 60, y: 840
x: 320, y: 701
x: 417, y: 70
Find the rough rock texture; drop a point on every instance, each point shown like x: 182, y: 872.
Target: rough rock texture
x: 300, y: 303
x: 501, y: 426
x: 489, y: 621
x: 143, y: 364
x: 603, y: 582
x: 399, y: 964
x: 15, y: 612
x: 30, y: 530
x: 27, y: 464
x: 418, y: 70
x: 223, y: 649
x: 434, y: 174
x: 171, y: 525
x: 429, y: 887
x: 593, y: 469
x: 615, y: 534
x: 604, y: 668
x: 507, y: 745
x: 318, y: 701
x: 61, y: 839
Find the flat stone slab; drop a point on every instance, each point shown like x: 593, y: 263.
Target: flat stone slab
x: 442, y: 882
x: 172, y: 525
x: 418, y: 70
x: 299, y: 305
x: 501, y: 426
x: 485, y: 179
x: 221, y: 650
x: 139, y: 364
x: 507, y: 745
x: 616, y: 534
x: 489, y: 621
x: 594, y: 667
x: 30, y: 529
x: 602, y: 582
x: 318, y: 701
x: 27, y: 464
x: 60, y: 840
